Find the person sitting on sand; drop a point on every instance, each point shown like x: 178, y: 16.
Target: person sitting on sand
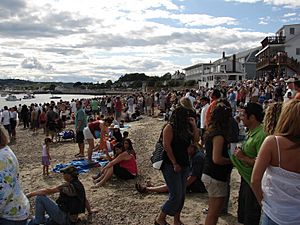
x: 116, y: 133
x: 123, y: 165
x: 194, y: 183
x: 95, y: 130
x: 127, y: 145
x: 71, y: 201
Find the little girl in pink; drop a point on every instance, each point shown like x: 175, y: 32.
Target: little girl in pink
x: 46, y: 156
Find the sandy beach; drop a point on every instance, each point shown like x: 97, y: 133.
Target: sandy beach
x: 118, y: 202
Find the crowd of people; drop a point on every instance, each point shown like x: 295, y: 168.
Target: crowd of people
x: 252, y: 126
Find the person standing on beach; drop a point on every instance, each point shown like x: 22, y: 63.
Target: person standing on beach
x: 46, y: 156
x: 14, y: 206
x: 297, y: 88
x: 244, y: 159
x: 80, y: 124
x: 215, y: 95
x: 118, y: 108
x: 178, y: 134
x: 5, y: 120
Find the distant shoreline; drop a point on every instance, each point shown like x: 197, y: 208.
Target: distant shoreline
x: 108, y: 92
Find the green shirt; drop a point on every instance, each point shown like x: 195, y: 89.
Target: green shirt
x: 80, y: 116
x: 250, y: 148
x: 94, y: 105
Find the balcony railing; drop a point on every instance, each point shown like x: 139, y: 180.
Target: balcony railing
x: 273, y: 40
x: 278, y: 60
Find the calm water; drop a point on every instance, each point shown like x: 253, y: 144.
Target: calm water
x: 40, y: 98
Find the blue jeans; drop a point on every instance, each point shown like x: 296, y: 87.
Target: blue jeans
x: 12, y: 222
x: 43, y: 205
x: 176, y: 183
x: 265, y: 220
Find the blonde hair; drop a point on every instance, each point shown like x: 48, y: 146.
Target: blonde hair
x: 289, y: 121
x: 272, y: 114
x: 186, y: 103
x: 4, y: 136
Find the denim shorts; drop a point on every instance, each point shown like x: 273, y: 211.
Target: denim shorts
x: 265, y: 220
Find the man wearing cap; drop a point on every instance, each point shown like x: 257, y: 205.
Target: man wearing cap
x: 71, y: 201
x: 290, y: 93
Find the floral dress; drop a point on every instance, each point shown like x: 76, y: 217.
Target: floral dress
x: 14, y: 205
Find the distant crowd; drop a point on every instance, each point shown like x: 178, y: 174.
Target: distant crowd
x: 251, y: 125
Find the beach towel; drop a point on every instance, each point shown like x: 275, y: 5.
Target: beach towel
x: 82, y: 165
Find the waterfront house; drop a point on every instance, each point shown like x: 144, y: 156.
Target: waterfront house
x: 227, y: 70
x: 280, y: 54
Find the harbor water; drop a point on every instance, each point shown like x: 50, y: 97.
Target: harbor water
x: 41, y: 98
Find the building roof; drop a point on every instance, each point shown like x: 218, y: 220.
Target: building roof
x: 197, y: 65
x: 288, y: 25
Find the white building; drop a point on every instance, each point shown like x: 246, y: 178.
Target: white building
x: 197, y: 71
x: 280, y: 54
x: 226, y: 70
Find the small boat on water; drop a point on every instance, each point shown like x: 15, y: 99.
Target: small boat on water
x: 28, y: 96
x: 3, y: 95
x: 11, y: 97
x: 55, y: 97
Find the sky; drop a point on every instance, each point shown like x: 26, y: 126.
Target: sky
x: 100, y: 40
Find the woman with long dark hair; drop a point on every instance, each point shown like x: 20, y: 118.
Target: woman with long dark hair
x: 178, y: 134
x: 217, y: 165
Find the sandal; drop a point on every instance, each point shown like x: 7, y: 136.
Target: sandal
x: 140, y: 188
x: 79, y: 155
x: 156, y: 223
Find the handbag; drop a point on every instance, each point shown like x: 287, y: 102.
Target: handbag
x: 157, y: 156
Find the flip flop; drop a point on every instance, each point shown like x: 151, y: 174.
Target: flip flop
x: 79, y: 155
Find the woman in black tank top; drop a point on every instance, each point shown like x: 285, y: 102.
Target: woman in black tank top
x: 178, y: 134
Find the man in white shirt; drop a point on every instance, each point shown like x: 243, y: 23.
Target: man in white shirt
x: 6, y: 119
x: 290, y: 93
x: 190, y: 97
x: 204, y: 103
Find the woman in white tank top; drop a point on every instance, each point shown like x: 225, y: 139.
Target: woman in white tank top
x: 276, y: 174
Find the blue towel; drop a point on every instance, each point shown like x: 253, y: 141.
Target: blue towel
x: 82, y: 165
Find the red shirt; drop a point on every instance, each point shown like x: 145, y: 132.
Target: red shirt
x: 129, y: 165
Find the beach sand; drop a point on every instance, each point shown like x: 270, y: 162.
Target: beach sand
x: 118, y: 202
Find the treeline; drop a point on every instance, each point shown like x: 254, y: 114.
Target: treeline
x: 132, y: 80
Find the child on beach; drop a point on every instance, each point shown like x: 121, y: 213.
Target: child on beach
x: 46, y: 156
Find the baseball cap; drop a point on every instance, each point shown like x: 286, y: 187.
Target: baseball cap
x: 72, y: 170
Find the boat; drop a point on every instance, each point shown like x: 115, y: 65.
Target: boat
x: 3, y: 95
x: 28, y: 96
x: 55, y: 97
x: 11, y: 97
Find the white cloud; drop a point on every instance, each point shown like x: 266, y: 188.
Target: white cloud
x: 287, y: 3
x: 289, y: 14
x: 98, y: 40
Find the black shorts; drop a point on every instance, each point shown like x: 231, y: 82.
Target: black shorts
x: 248, y: 207
x: 122, y: 173
x: 79, y: 137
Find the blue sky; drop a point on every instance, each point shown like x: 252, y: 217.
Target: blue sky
x: 66, y: 40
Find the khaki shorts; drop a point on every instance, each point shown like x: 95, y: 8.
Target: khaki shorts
x: 215, y: 188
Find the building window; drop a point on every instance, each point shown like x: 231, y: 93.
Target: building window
x: 297, y: 51
x: 292, y: 30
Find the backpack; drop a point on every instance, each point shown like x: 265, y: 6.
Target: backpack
x: 68, y: 134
